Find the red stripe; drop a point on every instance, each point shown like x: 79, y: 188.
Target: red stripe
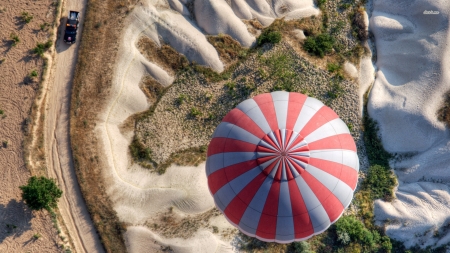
x: 322, y: 116
x: 288, y: 138
x: 267, y: 226
x: 346, y: 174
x: 219, y: 178
x: 264, y: 150
x: 300, y: 149
x: 296, y: 166
x: 296, y: 101
x: 224, y: 145
x: 302, y: 223
x: 270, y: 142
x: 242, y: 120
x: 236, y: 208
x: 340, y: 141
x: 265, y: 103
x: 289, y: 174
x: 264, y: 159
x: 279, y: 170
x: 330, y: 203
x: 296, y: 142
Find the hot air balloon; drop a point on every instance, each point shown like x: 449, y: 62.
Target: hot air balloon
x: 282, y: 167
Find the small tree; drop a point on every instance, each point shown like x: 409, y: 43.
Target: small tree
x: 40, y: 193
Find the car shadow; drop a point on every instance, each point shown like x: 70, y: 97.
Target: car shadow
x: 61, y: 46
x: 15, y: 219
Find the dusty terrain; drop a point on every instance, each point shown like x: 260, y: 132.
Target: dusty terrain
x: 20, y: 229
x: 57, y: 144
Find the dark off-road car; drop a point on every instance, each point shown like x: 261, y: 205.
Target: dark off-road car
x: 70, y: 33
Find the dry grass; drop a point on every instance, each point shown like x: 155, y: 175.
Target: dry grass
x: 165, y: 56
x: 92, y: 79
x: 229, y: 49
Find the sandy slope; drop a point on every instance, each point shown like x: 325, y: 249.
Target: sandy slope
x: 139, y: 196
x: 413, y: 63
x: 57, y: 144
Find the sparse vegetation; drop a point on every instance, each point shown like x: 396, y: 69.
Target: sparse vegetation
x: 269, y: 36
x: 15, y: 39
x: 319, y: 45
x: 33, y: 73
x: 41, y: 48
x: 139, y: 151
x: 37, y: 236
x: 40, y: 193
x: 26, y: 17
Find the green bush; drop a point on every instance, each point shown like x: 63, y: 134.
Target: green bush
x: 381, y: 181
x: 15, y: 39
x: 353, y: 227
x: 139, y: 151
x: 319, y: 45
x: 42, y: 47
x: 41, y: 193
x: 269, y: 36
x: 26, y: 17
x: 33, y: 73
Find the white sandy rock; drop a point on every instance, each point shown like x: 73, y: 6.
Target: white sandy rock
x: 217, y: 17
x: 412, y: 76
x: 179, y: 7
x: 299, y: 34
x: 241, y: 9
x: 351, y: 70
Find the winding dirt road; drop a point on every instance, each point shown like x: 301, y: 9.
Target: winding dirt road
x: 57, y: 142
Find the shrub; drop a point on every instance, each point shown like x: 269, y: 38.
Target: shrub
x: 40, y: 193
x: 381, y: 181
x: 26, y: 17
x: 332, y: 67
x: 319, y: 45
x: 195, y: 112
x: 33, y: 73
x: 180, y: 99
x: 269, y: 36
x: 139, y: 151
x: 350, y: 225
x: 15, y: 38
x: 301, y: 247
x: 42, y: 47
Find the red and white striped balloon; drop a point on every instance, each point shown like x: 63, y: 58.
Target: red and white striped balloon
x: 282, y: 167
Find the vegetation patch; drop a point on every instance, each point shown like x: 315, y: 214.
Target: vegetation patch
x: 41, y: 193
x: 41, y: 48
x: 229, y: 49
x: 319, y: 45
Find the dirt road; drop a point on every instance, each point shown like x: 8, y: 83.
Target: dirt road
x: 57, y: 142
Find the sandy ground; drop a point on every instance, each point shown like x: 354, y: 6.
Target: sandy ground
x: 57, y: 144
x: 139, y: 196
x: 412, y: 76
x: 18, y: 224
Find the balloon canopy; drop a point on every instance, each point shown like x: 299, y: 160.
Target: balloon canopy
x: 282, y: 167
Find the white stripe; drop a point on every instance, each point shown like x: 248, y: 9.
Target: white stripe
x: 281, y: 110
x: 334, y: 127
x: 252, y: 110
x: 231, y: 131
x: 309, y: 108
x: 337, y: 155
x: 333, y: 184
